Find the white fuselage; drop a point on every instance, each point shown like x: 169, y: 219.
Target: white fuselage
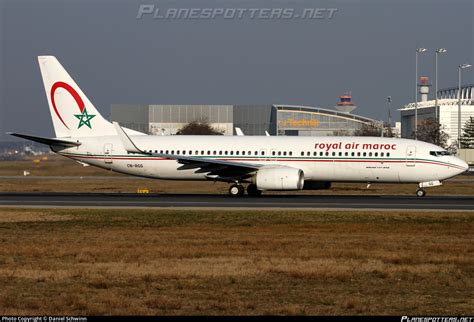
x: 337, y: 159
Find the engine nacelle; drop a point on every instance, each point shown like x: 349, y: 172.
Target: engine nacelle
x: 279, y: 178
x: 316, y: 185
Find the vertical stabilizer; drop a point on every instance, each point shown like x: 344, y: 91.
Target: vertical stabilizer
x: 72, y: 113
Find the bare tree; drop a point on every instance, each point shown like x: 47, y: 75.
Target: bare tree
x: 431, y: 131
x: 368, y: 130
x: 199, y: 128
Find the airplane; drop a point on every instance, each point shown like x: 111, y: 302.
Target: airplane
x: 263, y: 163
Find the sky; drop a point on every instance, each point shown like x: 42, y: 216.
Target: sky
x: 367, y: 47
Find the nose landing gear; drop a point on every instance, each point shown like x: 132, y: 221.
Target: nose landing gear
x: 420, y: 192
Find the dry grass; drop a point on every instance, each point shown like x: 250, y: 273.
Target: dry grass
x: 113, y: 182
x: 234, y: 262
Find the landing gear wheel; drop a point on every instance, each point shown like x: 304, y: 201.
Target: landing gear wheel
x: 236, y: 190
x: 420, y: 192
x: 253, y: 191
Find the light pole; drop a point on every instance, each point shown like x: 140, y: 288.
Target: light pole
x: 389, y: 100
x: 438, y: 51
x: 460, y: 67
x: 418, y: 51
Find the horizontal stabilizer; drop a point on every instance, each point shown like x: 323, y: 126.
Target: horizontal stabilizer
x: 47, y: 141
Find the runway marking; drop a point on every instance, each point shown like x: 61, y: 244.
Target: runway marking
x: 235, y: 204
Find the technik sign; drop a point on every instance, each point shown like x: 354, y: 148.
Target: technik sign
x: 295, y: 123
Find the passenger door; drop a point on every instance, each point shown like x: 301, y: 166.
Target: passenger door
x: 410, y: 156
x: 108, y: 153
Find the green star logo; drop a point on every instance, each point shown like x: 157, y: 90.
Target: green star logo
x: 84, y: 119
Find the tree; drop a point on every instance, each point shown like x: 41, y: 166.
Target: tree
x: 431, y: 131
x: 467, y: 137
x: 368, y: 130
x: 198, y: 128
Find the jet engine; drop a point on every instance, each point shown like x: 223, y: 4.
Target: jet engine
x: 279, y: 178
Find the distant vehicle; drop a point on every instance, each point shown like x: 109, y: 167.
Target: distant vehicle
x: 261, y: 162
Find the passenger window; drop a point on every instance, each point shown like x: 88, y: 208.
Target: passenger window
x: 250, y: 153
x: 340, y: 154
x: 161, y: 151
x: 208, y: 152
x: 327, y: 153
x: 197, y: 152
x: 358, y: 154
x: 308, y: 153
x: 214, y: 152
x: 365, y: 154
x: 177, y: 152
x: 263, y: 153
x: 172, y: 151
x: 370, y: 154
x: 334, y: 154
x: 381, y: 154
x: 202, y: 152
x: 236, y: 152
x: 231, y: 152
x: 302, y: 154
x: 388, y: 154
x: 166, y: 151
x: 256, y: 152
x: 273, y: 152
x: 225, y: 152
x: 315, y: 153
x: 321, y: 153
x: 346, y: 154
x: 352, y: 154
x: 376, y: 154
x: 284, y: 153
x: 243, y: 152
x: 279, y: 152
x: 291, y: 153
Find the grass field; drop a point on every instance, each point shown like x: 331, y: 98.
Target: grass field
x: 86, y: 181
x: 234, y: 262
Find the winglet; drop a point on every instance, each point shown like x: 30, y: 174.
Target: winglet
x: 127, y: 143
x: 239, y: 131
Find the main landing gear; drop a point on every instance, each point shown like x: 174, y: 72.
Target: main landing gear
x: 237, y: 190
x: 253, y: 191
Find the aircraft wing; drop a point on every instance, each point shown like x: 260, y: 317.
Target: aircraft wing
x: 47, y: 141
x: 213, y: 167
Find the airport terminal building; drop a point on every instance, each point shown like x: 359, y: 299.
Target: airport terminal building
x: 276, y: 119
x: 447, y: 111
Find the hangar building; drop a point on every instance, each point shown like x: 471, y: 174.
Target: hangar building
x: 276, y: 119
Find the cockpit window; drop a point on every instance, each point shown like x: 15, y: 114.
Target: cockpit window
x: 440, y: 153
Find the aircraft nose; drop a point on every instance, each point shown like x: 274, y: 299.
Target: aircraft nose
x: 462, y: 164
